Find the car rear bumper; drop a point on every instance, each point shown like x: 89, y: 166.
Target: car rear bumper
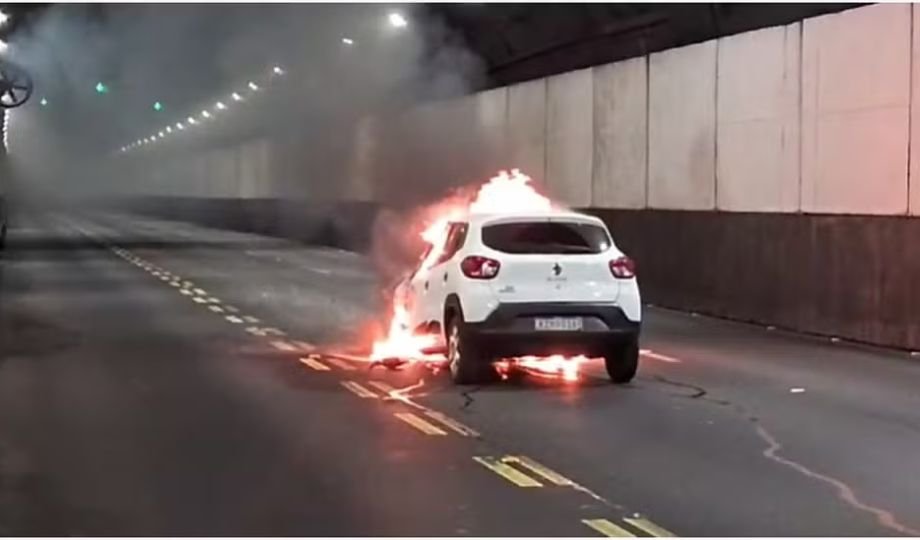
x: 510, y: 331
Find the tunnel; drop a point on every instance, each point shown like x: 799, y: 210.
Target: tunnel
x: 459, y: 270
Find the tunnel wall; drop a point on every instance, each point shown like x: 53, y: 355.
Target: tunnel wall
x: 765, y: 176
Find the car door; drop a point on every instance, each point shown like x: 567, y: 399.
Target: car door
x: 439, y: 286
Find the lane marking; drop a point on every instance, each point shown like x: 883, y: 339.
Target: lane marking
x: 657, y: 356
x: 358, y: 390
x: 649, y: 527
x: 420, y: 424
x: 305, y: 345
x: 380, y: 385
x: 314, y: 363
x: 456, y: 426
x: 352, y: 357
x: 507, y: 472
x: 234, y: 319
x: 175, y: 284
x: 340, y: 364
x: 232, y: 309
x: 283, y: 346
x: 272, y: 331
x: 250, y: 319
x: 198, y: 300
x: 213, y: 300
x: 216, y: 309
x: 541, y: 470
x: 188, y: 284
x: 201, y: 292
x: 185, y: 292
x: 607, y: 528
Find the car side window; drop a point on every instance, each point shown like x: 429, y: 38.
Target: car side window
x: 456, y: 237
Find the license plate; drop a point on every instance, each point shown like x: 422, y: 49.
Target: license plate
x: 556, y: 324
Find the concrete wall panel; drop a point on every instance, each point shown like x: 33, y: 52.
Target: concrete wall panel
x: 682, y: 127
x: 527, y: 128
x: 855, y: 93
x: 492, y: 127
x: 364, y: 154
x: 620, y: 134
x: 569, y: 134
x: 758, y: 135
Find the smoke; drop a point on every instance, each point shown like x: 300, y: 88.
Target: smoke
x: 295, y: 139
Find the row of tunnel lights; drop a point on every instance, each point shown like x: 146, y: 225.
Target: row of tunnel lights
x: 205, y: 115
x: 395, y: 19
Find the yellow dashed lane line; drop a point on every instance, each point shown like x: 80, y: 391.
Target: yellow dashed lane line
x: 541, y: 470
x: 420, y: 424
x: 283, y: 346
x: 380, y: 385
x: 452, y: 424
x: 305, y: 346
x: 523, y: 471
x: 507, y: 472
x: 358, y: 390
x: 314, y: 363
x: 649, y: 527
x: 340, y: 364
x: 607, y: 528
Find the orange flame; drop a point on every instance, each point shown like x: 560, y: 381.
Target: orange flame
x: 506, y: 192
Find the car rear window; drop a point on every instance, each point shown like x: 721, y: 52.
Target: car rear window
x: 546, y: 237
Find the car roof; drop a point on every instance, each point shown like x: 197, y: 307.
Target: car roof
x: 481, y: 219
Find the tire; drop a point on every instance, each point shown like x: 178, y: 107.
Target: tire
x: 623, y: 363
x: 2, y: 237
x: 465, y: 364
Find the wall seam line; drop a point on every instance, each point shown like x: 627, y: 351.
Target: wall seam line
x: 801, y: 110
x: 546, y: 134
x: 593, y: 158
x: 715, y: 134
x: 648, y: 106
x: 910, y: 106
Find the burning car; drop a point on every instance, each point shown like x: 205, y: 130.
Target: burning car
x: 513, y: 276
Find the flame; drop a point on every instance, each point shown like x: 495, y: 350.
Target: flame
x: 401, y: 342
x: 566, y: 367
x: 509, y: 193
x: 505, y: 192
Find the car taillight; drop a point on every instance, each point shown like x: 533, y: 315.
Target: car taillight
x: 623, y: 268
x: 477, y: 267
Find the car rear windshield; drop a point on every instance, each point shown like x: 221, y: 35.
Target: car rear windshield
x: 546, y: 237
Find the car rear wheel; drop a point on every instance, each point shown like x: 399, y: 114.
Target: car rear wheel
x: 466, y: 364
x: 623, y: 362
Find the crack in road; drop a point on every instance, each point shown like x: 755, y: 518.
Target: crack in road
x: 468, y: 398
x: 844, y: 492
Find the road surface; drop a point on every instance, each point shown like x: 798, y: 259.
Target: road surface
x: 159, y: 378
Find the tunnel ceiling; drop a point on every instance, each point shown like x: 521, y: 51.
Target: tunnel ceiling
x: 518, y: 42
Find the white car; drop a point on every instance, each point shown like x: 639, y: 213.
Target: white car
x: 535, y: 283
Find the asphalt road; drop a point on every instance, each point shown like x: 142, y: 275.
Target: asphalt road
x: 158, y: 378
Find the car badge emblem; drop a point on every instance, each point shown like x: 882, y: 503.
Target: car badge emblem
x: 557, y: 269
